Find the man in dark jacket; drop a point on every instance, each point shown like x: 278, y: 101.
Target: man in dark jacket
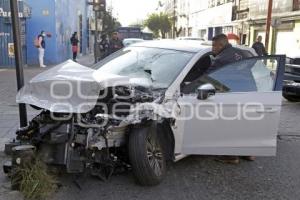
x: 224, y: 53
x: 115, y: 43
x: 259, y: 47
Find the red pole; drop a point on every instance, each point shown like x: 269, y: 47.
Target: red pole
x: 268, y: 25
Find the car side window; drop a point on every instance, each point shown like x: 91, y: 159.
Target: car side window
x: 254, y: 74
x: 199, y: 68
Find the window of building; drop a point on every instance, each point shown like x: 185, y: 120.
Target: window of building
x: 211, y: 3
x: 202, y: 33
x: 220, y: 2
x: 296, y: 5
x: 190, y: 31
x: 227, y: 29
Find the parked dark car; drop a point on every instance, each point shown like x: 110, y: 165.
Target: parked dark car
x: 291, y: 87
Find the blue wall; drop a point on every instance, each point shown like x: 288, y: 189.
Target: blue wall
x: 67, y: 22
x: 62, y: 21
x: 6, y: 34
x: 38, y: 21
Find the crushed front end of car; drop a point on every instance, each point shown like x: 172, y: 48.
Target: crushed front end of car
x: 84, y: 124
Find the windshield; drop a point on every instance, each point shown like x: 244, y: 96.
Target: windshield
x: 148, y: 67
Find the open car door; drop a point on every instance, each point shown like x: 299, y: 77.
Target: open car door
x: 242, y: 117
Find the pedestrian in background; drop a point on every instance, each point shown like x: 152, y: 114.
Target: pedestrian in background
x: 104, y: 46
x: 41, y: 47
x: 74, y: 43
x: 259, y: 47
x: 115, y: 43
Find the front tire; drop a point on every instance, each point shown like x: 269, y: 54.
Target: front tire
x: 146, y: 155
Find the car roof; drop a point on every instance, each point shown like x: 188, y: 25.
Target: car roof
x: 185, y: 45
x: 190, y: 38
x: 128, y: 39
x: 179, y: 45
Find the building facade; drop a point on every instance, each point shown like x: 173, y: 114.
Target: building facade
x: 170, y: 7
x: 204, y: 18
x: 245, y: 18
x: 285, y: 25
x: 60, y: 18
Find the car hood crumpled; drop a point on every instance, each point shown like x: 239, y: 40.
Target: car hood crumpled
x: 67, y: 88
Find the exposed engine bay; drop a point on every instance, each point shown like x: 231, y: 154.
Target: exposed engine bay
x: 95, y: 141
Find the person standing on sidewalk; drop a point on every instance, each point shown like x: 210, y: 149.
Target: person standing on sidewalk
x: 104, y: 46
x: 115, y: 43
x: 74, y: 42
x: 259, y: 47
x: 41, y: 48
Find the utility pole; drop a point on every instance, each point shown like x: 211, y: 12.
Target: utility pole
x: 268, y: 24
x: 96, y: 36
x: 174, y: 19
x: 98, y: 6
x: 18, y: 57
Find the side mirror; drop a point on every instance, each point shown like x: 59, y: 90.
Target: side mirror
x: 205, y: 91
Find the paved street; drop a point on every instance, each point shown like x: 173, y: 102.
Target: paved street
x: 195, y: 177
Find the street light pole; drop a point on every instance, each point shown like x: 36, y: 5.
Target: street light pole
x: 96, y: 37
x: 18, y: 57
x: 268, y: 24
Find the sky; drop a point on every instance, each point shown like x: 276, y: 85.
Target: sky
x: 130, y: 11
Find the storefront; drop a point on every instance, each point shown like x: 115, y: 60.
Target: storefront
x: 284, y: 35
x: 285, y: 26
x: 6, y: 35
x: 288, y: 39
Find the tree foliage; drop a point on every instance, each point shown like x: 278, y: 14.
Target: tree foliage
x: 159, y: 24
x: 111, y: 24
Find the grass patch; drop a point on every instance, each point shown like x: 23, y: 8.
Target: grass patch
x: 33, y: 181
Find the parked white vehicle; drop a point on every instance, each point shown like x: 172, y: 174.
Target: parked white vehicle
x: 190, y: 38
x: 130, y: 41
x: 152, y: 102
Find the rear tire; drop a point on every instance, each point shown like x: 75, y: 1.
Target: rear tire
x: 146, y: 155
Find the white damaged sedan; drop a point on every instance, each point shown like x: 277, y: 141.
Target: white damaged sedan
x: 150, y: 103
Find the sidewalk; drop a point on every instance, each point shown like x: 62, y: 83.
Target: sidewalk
x: 87, y: 60
x: 9, y: 113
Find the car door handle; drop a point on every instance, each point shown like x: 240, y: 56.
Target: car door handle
x: 267, y: 110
